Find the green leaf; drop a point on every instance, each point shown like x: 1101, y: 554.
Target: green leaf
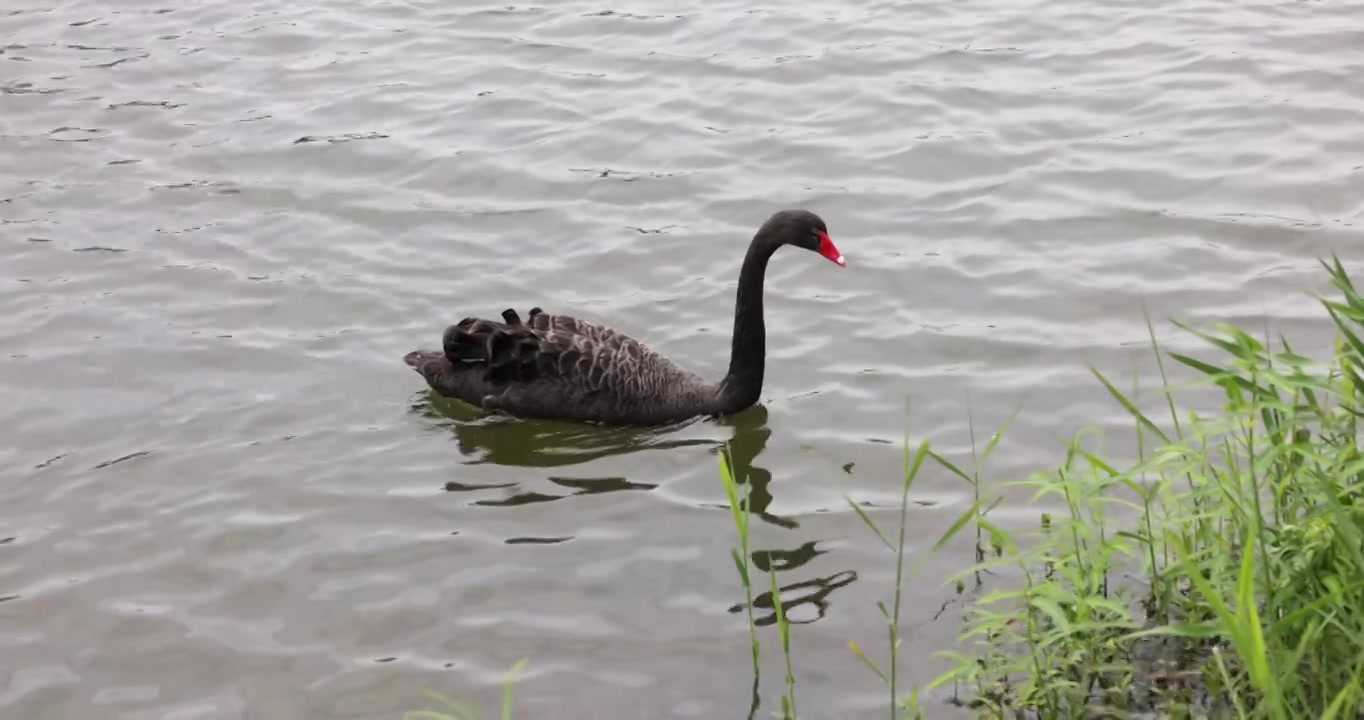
x: 957, y: 525
x: 1131, y: 408
x: 867, y: 661
x: 952, y: 468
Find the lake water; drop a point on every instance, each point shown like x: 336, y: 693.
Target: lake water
x: 222, y: 225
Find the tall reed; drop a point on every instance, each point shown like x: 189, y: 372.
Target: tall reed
x: 739, y: 511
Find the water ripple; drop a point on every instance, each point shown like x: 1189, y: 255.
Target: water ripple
x: 222, y: 225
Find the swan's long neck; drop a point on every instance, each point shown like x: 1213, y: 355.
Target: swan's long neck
x: 743, y: 384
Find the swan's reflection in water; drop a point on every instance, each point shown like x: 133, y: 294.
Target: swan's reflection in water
x: 499, y: 440
x: 751, y: 434
x: 579, y: 486
x: 819, y: 589
x: 496, y: 440
x: 546, y: 444
x: 779, y: 561
x: 749, y: 441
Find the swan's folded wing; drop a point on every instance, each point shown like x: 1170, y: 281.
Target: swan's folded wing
x: 583, y: 354
x: 606, y: 358
x: 566, y: 324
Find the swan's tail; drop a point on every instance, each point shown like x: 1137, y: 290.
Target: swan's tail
x: 507, y: 351
x: 419, y: 359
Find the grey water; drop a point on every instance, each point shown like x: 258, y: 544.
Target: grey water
x: 223, y: 495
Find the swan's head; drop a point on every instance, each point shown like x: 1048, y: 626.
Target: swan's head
x: 803, y: 229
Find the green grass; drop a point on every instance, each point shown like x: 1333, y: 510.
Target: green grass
x: 1219, y: 573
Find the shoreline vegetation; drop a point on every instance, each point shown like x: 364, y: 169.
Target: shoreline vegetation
x: 1220, y: 573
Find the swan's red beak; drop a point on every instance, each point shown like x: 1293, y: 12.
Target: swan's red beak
x: 827, y: 249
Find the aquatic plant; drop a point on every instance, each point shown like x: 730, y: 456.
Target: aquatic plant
x: 1245, y: 527
x: 739, y: 510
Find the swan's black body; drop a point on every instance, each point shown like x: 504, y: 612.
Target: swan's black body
x: 558, y: 367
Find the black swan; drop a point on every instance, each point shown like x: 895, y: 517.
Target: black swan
x: 557, y: 367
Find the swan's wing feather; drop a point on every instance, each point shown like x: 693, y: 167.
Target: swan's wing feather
x: 584, y: 354
x: 569, y: 325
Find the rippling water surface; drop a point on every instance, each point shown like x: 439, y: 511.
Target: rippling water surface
x: 223, y: 224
